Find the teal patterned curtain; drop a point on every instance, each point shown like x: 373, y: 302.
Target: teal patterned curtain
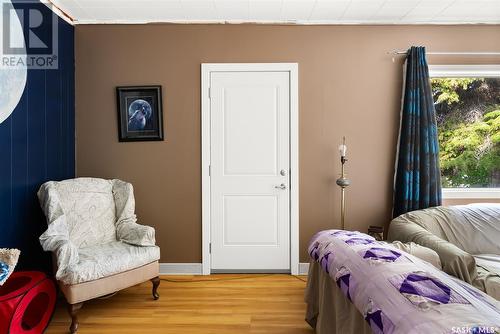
x: 417, y: 183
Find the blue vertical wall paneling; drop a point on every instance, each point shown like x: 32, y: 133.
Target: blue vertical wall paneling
x: 37, y: 144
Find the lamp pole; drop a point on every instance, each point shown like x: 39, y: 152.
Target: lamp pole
x: 343, y: 182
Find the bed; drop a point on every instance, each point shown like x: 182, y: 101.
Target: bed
x: 359, y: 285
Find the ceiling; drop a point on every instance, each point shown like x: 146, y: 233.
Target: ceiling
x: 283, y: 11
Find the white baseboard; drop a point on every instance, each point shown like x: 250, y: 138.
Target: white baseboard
x: 196, y: 268
x: 180, y: 269
x: 303, y: 268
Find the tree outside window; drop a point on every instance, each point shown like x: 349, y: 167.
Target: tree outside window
x: 468, y: 118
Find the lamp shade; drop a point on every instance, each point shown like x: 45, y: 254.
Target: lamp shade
x: 343, y: 150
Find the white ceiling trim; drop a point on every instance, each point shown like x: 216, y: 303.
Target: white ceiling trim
x: 271, y: 22
x: 299, y: 12
x: 58, y: 11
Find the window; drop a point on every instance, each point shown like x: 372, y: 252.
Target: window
x: 467, y: 102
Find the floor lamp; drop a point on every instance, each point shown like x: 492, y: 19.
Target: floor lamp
x: 343, y: 182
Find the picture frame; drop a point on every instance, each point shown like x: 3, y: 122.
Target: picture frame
x: 140, y: 113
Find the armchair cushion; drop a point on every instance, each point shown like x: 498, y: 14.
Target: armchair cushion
x: 108, y: 259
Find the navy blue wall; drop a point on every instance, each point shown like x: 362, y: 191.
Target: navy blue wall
x: 37, y: 144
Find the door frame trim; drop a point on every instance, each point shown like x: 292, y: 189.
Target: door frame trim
x: 206, y: 69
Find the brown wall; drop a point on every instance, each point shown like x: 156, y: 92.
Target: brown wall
x: 348, y: 86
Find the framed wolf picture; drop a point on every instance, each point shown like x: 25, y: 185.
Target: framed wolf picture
x: 140, y: 114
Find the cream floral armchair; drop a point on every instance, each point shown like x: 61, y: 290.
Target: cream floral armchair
x: 98, y: 247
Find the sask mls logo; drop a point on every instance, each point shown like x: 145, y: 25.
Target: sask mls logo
x: 29, y: 35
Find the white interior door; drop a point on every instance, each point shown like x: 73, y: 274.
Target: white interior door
x: 249, y: 166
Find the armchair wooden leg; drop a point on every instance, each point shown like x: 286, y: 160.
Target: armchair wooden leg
x: 73, y: 310
x: 156, y: 284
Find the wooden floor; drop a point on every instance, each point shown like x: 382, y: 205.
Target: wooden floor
x: 218, y: 304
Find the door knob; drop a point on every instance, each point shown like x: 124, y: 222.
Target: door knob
x: 283, y: 172
x: 281, y: 186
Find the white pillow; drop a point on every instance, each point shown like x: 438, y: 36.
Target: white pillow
x: 8, y: 261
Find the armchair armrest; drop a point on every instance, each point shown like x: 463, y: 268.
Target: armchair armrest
x: 135, y: 234
x: 56, y: 239
x: 420, y: 251
x: 127, y: 230
x: 454, y: 260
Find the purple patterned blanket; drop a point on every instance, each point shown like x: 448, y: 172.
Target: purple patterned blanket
x: 399, y: 293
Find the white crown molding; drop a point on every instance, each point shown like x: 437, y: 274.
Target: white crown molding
x: 288, y: 22
x: 56, y: 10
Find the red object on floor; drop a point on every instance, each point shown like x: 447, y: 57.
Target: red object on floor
x: 27, y: 302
